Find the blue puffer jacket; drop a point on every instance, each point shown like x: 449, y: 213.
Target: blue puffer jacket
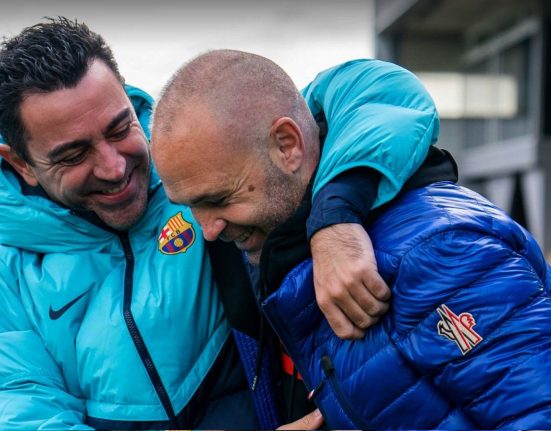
x: 467, y: 342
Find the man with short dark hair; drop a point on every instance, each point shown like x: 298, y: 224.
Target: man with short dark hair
x: 466, y: 342
x: 111, y: 316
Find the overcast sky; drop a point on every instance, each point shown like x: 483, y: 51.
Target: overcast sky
x: 151, y: 39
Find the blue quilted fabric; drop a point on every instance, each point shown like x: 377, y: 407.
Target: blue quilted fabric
x: 467, y: 342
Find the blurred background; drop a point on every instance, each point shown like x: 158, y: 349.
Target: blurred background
x: 152, y: 38
x: 485, y: 62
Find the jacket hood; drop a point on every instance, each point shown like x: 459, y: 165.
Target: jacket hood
x: 36, y: 223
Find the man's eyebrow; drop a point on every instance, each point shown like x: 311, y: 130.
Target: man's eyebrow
x: 197, y: 199
x: 67, y: 146
x: 123, y: 115
x: 205, y: 197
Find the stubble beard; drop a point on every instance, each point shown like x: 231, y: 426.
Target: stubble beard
x: 125, y: 218
x: 282, y: 198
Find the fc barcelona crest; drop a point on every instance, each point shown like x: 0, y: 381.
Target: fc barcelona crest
x: 176, y: 236
x: 458, y: 329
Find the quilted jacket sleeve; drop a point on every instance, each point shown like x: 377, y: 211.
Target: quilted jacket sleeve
x: 32, y: 390
x: 473, y: 311
x: 379, y: 115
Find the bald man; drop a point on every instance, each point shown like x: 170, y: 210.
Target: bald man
x: 234, y: 140
x: 255, y: 206
x: 367, y: 177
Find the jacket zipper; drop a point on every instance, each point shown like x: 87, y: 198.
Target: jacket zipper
x: 349, y: 410
x: 135, y: 332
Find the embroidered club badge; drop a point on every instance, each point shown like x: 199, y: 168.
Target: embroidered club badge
x: 458, y: 329
x: 176, y: 236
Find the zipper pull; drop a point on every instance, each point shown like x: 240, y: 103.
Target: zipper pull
x: 327, y: 365
x: 328, y: 368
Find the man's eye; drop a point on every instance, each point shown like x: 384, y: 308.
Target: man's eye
x: 73, y: 159
x: 121, y: 133
x: 218, y: 202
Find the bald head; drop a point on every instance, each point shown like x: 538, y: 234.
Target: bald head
x: 243, y: 92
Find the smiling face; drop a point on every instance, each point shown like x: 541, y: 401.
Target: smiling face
x: 235, y: 195
x: 88, y: 148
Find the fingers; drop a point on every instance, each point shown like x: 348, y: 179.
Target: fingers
x: 345, y: 329
x: 349, y: 321
x: 349, y: 290
x: 375, y: 284
x: 354, y: 303
x: 361, y: 306
x: 311, y: 421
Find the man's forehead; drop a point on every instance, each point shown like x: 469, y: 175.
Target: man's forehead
x: 92, y: 86
x: 193, y: 159
x: 202, y: 183
x: 195, y: 186
x: 73, y: 113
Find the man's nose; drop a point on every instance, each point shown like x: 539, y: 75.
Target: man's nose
x: 212, y: 226
x: 110, y: 164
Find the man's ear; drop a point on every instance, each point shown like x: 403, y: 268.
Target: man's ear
x: 286, y: 145
x: 20, y: 166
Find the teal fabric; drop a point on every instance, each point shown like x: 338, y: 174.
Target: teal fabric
x: 53, y: 371
x: 379, y: 116
x: 143, y: 104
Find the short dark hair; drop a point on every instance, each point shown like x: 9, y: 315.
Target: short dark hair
x: 45, y: 57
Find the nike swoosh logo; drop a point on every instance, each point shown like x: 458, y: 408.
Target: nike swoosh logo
x: 56, y: 314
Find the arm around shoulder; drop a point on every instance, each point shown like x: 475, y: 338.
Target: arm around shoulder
x: 379, y: 115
